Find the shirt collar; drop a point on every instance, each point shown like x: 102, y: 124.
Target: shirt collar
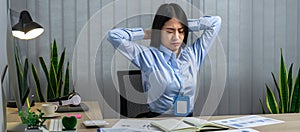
x: 168, y: 53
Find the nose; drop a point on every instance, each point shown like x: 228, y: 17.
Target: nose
x: 176, y: 35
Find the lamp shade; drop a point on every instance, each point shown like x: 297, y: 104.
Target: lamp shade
x: 26, y: 28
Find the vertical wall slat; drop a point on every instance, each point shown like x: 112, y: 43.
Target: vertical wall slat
x: 146, y: 20
x: 291, y: 33
x: 245, y: 59
x: 31, y: 44
x: 280, y: 31
x: 257, y: 53
x: 107, y: 54
x: 212, y: 54
x: 222, y: 11
x: 56, y: 22
x: 43, y: 43
x: 69, y: 33
x: 31, y: 47
x: 81, y: 56
x: 121, y: 63
x: 298, y: 33
x: 233, y: 55
x: 268, y: 41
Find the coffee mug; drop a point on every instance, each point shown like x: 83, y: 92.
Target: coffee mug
x: 49, y: 109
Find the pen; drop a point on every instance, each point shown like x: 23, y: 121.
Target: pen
x: 111, y: 129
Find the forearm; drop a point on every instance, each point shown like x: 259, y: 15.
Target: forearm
x: 205, y: 23
x: 211, y: 26
x: 123, y: 39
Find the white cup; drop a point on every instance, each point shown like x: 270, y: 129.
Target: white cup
x: 49, y: 109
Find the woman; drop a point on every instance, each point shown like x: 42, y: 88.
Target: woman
x: 169, y: 67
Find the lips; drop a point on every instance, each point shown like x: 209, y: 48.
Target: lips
x: 176, y: 43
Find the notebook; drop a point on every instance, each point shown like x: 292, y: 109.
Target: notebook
x: 189, y: 124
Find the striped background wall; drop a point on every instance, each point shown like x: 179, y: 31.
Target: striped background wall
x: 252, y: 34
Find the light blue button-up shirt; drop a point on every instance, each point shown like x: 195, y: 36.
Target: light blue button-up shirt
x: 164, y: 76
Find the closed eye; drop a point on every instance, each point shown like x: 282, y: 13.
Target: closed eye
x: 172, y: 30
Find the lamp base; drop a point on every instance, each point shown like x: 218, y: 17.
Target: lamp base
x: 13, y: 104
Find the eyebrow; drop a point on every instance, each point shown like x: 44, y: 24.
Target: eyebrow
x: 174, y: 28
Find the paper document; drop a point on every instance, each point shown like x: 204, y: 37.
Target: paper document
x: 136, y: 125
x: 247, y: 121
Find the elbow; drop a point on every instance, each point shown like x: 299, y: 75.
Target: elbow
x: 217, y: 21
x: 114, y: 38
x: 112, y: 35
x: 216, y: 26
x: 117, y: 34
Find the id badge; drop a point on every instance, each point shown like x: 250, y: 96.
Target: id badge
x: 182, y: 106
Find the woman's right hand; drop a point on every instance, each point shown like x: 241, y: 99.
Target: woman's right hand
x: 147, y: 34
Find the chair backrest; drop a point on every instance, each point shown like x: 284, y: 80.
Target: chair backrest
x: 131, y: 103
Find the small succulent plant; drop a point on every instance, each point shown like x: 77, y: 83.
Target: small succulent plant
x: 31, y: 119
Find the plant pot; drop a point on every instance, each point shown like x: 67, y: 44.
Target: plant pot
x: 33, y: 130
x: 40, y: 129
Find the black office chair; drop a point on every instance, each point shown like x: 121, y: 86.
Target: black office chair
x: 130, y: 83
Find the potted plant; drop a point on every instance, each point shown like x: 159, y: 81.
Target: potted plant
x: 57, y: 78
x: 33, y: 121
x: 287, y: 89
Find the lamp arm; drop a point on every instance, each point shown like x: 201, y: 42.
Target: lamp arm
x: 4, y: 73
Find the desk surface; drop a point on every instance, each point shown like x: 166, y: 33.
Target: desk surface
x: 291, y: 124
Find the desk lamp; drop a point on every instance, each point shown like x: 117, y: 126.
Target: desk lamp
x: 26, y: 28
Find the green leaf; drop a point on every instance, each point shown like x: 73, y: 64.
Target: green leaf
x: 25, y: 86
x: 19, y: 74
x: 277, y: 89
x: 67, y: 81
x: 290, y: 82
x: 54, y: 56
x: 25, y: 96
x: 61, y: 63
x: 37, y: 84
x: 59, y: 87
x: 262, y: 106
x: 60, y: 72
x: 283, y: 86
x: 50, y: 92
x: 53, y: 80
x: 271, y: 101
x: 295, y: 100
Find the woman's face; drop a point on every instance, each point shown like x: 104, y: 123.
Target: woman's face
x: 172, y: 35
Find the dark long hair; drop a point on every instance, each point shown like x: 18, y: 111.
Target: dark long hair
x: 164, y: 13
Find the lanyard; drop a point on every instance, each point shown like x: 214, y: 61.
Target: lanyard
x: 172, y: 64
